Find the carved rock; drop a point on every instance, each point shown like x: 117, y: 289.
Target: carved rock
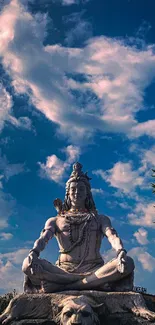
x: 81, y: 307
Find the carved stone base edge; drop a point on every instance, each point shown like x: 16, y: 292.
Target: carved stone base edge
x: 33, y: 322
x: 121, y: 319
x: 117, y: 308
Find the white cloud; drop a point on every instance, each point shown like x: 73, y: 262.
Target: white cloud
x: 11, y: 275
x: 55, y: 168
x: 145, y: 128
x: 106, y: 137
x: 72, y: 153
x: 121, y: 176
x: 146, y: 163
x: 69, y: 2
x: 22, y: 122
x: 147, y: 159
x: 143, y: 215
x: 5, y: 236
x: 1, y: 184
x: 5, y: 106
x: 115, y: 72
x: 147, y: 261
x: 8, y: 169
x: 97, y: 191
x: 141, y: 236
x: 79, y: 29
x: 15, y: 257
x: 124, y: 205
x: 109, y: 255
x: 7, y: 204
x: 6, y: 113
x: 144, y: 272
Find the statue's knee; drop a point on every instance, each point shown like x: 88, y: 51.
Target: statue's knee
x: 25, y: 266
x: 130, y: 264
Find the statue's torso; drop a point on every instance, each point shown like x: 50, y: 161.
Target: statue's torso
x: 78, y: 240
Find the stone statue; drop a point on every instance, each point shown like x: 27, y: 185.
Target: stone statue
x: 79, y: 230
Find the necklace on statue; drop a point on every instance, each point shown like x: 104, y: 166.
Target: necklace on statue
x: 81, y: 235
x: 75, y: 210
x: 84, y: 234
x: 79, y: 218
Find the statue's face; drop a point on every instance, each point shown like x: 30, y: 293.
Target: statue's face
x: 77, y: 192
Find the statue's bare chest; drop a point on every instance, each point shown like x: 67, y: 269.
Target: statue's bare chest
x: 70, y: 230
x: 76, y: 236
x: 64, y: 225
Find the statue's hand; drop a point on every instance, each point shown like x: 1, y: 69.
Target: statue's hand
x: 35, y: 267
x: 121, y: 261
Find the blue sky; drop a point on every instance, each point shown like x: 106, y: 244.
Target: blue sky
x: 77, y: 83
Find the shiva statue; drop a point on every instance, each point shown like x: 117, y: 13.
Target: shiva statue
x: 79, y: 230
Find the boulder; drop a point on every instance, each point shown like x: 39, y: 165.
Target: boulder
x: 84, y: 307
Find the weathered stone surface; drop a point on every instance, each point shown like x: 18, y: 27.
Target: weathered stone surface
x: 121, y: 319
x: 118, y: 308
x: 33, y: 322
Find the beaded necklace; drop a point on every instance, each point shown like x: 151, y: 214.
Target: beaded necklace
x: 84, y: 234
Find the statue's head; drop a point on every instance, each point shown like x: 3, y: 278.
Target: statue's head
x: 78, y: 190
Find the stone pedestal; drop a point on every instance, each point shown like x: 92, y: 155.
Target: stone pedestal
x: 113, y: 308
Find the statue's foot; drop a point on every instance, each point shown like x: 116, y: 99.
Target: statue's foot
x: 50, y: 287
x: 29, y: 287
x: 105, y: 287
x: 47, y: 287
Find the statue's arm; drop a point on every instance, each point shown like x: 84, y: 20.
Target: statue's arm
x: 46, y: 234
x: 111, y: 234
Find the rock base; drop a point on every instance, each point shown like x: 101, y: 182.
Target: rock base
x: 106, y: 308
x: 33, y: 322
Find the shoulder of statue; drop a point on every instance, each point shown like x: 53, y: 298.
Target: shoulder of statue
x: 105, y: 220
x: 50, y: 222
x: 59, y: 218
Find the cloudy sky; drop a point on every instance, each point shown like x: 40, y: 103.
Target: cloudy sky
x: 77, y: 83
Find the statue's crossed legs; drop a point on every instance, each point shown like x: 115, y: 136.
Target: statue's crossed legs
x: 54, y: 279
